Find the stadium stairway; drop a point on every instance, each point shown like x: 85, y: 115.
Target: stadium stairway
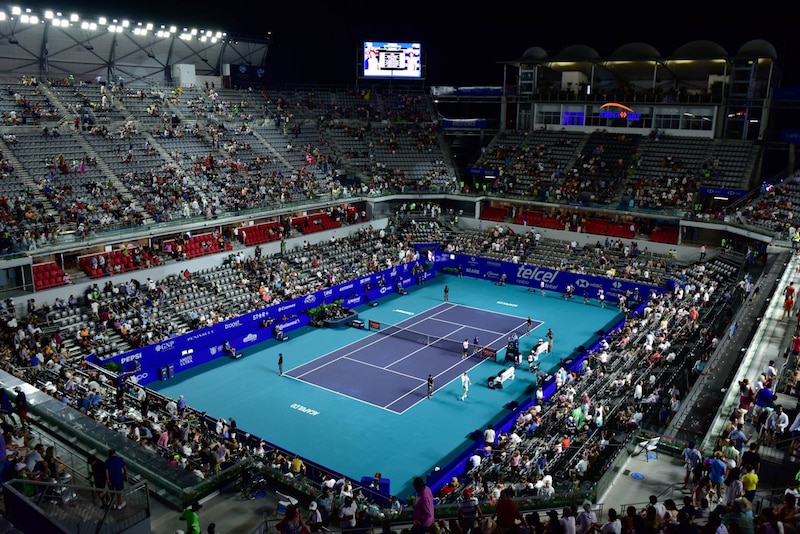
x: 272, y: 150
x: 113, y: 178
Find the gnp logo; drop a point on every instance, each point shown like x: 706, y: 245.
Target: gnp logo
x: 249, y: 338
x: 582, y: 283
x: 612, y: 110
x: 385, y: 290
x: 310, y: 299
x: 166, y: 346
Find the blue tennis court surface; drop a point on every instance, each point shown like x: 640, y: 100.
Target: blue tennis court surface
x: 390, y: 372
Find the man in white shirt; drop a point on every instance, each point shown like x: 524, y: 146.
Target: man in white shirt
x: 776, y: 424
x: 795, y: 430
x: 475, y: 461
x: 489, y: 435
x: 172, y: 408
x: 465, y: 383
x: 770, y: 372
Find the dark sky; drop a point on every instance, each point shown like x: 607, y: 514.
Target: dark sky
x: 462, y: 41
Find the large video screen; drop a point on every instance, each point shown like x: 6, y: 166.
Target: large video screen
x: 392, y: 60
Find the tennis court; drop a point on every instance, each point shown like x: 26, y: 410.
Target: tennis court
x: 389, y: 367
x: 347, y: 432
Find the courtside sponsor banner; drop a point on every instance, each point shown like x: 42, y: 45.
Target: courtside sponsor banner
x: 288, y: 315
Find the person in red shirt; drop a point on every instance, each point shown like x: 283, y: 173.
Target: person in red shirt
x: 788, y: 304
x: 796, y: 346
x: 506, y: 513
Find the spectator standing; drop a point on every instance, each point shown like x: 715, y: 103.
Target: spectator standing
x: 739, y: 438
x: 430, y: 386
x: 280, y: 364
x: 506, y: 514
x: 469, y: 511
x: 116, y: 471
x: 192, y: 519
x: 314, y: 518
x: 585, y: 518
x: 717, y: 474
x: 97, y: 473
x: 691, y: 458
x: 423, y: 508
x: 292, y: 522
x: 749, y: 482
x: 489, y: 436
x: 612, y: 526
x: 21, y: 406
x: 776, y: 424
x: 751, y: 457
x: 446, y: 293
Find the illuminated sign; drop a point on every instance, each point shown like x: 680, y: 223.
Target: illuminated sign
x: 613, y: 110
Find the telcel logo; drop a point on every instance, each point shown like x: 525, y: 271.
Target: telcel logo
x: 526, y: 273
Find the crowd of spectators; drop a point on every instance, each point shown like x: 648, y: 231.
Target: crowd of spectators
x: 633, y: 379
x: 553, y: 443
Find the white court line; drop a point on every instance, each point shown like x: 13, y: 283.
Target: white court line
x: 379, y: 338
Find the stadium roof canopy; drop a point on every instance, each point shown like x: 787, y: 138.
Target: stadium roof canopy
x: 53, y: 45
x: 694, y: 61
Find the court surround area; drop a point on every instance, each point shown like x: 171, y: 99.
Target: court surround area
x: 354, y: 400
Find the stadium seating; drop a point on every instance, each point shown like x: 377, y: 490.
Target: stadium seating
x: 47, y: 275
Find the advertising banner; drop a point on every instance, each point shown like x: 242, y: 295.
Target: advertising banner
x: 161, y: 360
x: 529, y: 275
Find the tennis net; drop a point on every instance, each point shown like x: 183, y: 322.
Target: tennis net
x: 428, y: 340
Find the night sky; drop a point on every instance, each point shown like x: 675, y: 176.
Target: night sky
x: 320, y: 42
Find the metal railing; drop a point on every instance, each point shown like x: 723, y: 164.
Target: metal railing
x: 53, y: 506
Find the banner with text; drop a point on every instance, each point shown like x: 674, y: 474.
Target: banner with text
x: 533, y: 277
x: 179, y: 353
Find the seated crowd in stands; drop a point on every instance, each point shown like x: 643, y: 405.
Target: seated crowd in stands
x: 629, y: 379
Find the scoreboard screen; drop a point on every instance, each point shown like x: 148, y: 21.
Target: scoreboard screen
x: 392, y: 60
